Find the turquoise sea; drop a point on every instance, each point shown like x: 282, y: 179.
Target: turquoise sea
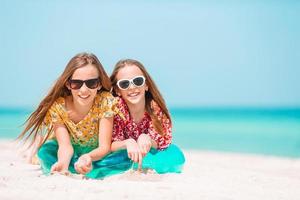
x: 247, y: 130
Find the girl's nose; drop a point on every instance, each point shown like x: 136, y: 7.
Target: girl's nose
x: 84, y: 88
x: 131, y: 86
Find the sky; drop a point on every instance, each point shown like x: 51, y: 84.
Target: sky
x: 199, y: 53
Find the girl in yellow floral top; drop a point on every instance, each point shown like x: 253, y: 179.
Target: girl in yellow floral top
x: 75, y: 122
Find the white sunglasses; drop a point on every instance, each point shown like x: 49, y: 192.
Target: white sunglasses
x: 137, y: 81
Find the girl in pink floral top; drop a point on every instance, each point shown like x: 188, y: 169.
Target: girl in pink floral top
x: 143, y: 126
x: 125, y: 127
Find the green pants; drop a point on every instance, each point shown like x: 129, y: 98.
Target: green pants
x: 165, y: 161
x: 114, y: 163
x: 169, y: 160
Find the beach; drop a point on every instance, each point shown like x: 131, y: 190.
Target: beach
x: 206, y: 175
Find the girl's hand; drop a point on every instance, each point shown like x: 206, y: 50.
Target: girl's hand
x: 84, y: 164
x: 58, y: 167
x: 133, y: 151
x: 144, y: 142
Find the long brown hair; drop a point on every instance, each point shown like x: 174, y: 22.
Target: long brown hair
x: 152, y: 94
x: 34, y: 123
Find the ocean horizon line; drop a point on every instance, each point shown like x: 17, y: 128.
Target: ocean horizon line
x: 200, y: 111
x: 23, y: 109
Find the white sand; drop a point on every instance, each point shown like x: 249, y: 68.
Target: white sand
x: 207, y: 175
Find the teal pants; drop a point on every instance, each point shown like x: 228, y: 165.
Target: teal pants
x: 168, y: 160
x: 164, y: 161
x: 114, y: 163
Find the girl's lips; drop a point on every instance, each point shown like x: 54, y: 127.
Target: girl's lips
x: 134, y: 94
x: 84, y: 97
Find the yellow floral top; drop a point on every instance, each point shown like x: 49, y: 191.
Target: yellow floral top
x: 84, y: 133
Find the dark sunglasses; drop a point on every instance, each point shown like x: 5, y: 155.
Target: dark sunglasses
x: 76, y: 84
x: 137, y: 81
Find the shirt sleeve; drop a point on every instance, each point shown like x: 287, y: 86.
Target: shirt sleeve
x: 53, y: 116
x: 165, y: 140
x: 119, y: 122
x: 108, y: 106
x: 118, y: 129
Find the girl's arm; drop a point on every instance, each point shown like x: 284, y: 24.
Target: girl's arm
x: 132, y: 147
x: 65, y: 149
x: 120, y: 141
x: 145, y: 143
x: 118, y: 145
x: 105, y: 132
x: 84, y: 163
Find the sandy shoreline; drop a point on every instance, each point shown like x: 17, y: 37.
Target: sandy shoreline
x: 207, y: 175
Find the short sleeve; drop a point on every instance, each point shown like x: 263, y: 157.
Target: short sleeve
x: 119, y: 121
x: 118, y: 129
x: 53, y: 116
x: 107, y: 105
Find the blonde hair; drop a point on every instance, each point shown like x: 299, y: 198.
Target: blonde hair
x: 151, y: 95
x: 34, y: 123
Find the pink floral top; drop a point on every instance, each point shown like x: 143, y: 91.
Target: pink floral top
x: 125, y: 127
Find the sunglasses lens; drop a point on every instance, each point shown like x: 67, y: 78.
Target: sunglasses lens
x: 138, y: 81
x: 124, y: 84
x: 92, y: 83
x: 76, y: 84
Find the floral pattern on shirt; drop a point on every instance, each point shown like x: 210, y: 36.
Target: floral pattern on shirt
x: 85, y: 132
x: 125, y: 127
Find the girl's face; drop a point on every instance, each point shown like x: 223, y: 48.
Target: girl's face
x: 134, y: 93
x: 84, y: 84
